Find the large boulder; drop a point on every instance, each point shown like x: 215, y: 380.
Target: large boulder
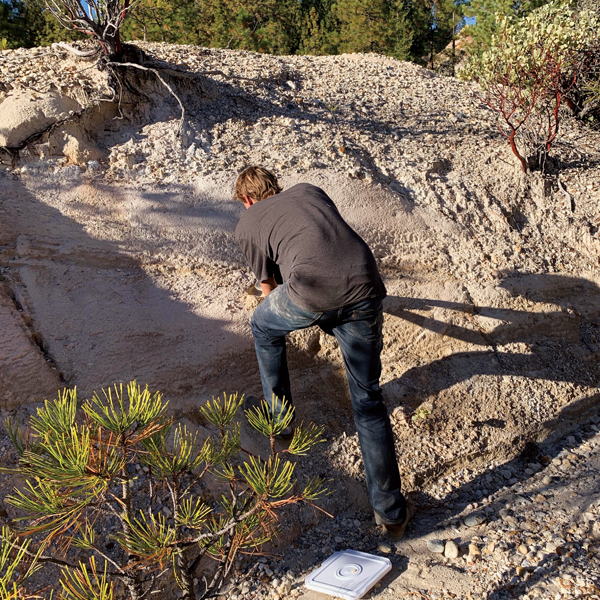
x: 25, y: 113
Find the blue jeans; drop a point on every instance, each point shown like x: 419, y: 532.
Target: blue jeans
x: 358, y: 330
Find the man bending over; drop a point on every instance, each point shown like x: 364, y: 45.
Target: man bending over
x: 315, y: 269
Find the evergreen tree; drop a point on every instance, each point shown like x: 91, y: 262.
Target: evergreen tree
x: 49, y: 30
x: 364, y: 25
x: 402, y: 32
x: 257, y: 25
x: 12, y: 28
x: 21, y: 23
x: 434, y: 23
x: 447, y: 19
x: 318, y: 28
x: 379, y: 26
x: 171, y: 21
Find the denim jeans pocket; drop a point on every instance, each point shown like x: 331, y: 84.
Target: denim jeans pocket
x: 367, y: 324
x: 290, y: 312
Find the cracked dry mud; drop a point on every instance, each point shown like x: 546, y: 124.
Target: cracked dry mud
x: 127, y: 268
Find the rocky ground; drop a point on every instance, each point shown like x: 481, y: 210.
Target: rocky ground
x: 526, y: 528
x: 117, y: 261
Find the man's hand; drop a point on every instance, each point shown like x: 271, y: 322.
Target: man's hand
x: 268, y: 285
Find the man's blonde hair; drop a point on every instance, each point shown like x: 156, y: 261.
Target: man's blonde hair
x: 256, y: 183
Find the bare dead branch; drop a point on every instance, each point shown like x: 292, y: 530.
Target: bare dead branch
x: 157, y: 73
x: 80, y: 54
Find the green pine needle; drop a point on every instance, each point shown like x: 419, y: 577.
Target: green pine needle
x: 150, y: 538
x: 263, y: 420
x: 305, y: 438
x: 315, y: 488
x: 15, y: 567
x: 141, y: 411
x: 84, y: 584
x: 57, y: 416
x: 193, y: 513
x: 183, y: 457
x: 272, y: 479
x: 222, y: 412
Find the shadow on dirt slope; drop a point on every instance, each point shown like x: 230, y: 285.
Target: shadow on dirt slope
x: 99, y: 315
x: 562, y: 344
x: 445, y: 514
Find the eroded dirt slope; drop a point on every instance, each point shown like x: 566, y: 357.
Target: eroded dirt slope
x: 126, y: 267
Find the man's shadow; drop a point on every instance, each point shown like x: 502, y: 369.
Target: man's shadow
x: 562, y: 344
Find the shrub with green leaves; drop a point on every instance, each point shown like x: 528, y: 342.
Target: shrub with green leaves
x: 114, y: 497
x: 534, y: 67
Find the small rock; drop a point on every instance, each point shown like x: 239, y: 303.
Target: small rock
x: 474, y: 520
x: 285, y: 587
x: 550, y: 548
x: 451, y: 550
x: 338, y: 539
x: 385, y: 547
x: 435, y: 546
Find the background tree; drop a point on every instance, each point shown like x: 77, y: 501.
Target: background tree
x: 171, y: 21
x: 23, y: 23
x: 318, y: 27
x: 260, y: 25
x: 402, y: 32
x: 13, y: 32
x: 431, y: 25
x: 380, y: 26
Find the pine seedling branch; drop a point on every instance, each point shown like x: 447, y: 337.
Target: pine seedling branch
x: 115, y: 495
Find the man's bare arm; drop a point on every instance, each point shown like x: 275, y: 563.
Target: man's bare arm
x: 268, y: 285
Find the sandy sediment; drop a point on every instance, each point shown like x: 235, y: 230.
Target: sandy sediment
x: 126, y: 267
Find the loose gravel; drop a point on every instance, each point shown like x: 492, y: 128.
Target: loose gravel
x: 528, y: 528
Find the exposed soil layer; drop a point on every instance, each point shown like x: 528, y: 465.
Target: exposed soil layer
x: 126, y: 268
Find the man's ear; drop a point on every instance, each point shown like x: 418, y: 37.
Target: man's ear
x: 248, y: 202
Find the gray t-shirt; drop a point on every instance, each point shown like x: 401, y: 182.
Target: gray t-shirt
x: 299, y: 236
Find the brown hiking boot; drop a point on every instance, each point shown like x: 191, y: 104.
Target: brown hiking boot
x: 395, y: 531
